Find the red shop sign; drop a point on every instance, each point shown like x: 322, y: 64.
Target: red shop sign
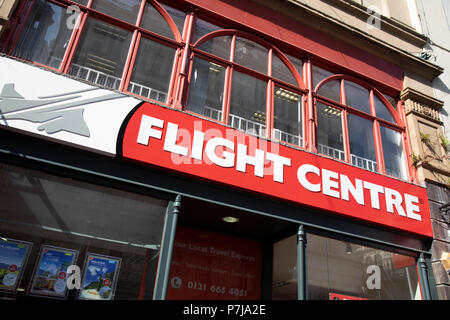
x: 186, y: 144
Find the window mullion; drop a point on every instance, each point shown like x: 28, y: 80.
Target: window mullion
x: 64, y: 66
x: 71, y: 50
x: 182, y: 74
x: 310, y: 125
x: 345, y: 133
x: 379, y: 147
x: 128, y: 68
x: 228, y: 84
x: 269, y: 97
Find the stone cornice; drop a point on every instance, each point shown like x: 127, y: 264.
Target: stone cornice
x: 422, y: 105
x: 367, y: 42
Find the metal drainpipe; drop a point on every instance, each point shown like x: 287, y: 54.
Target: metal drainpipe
x: 301, y: 264
x: 424, y: 277
x: 165, y: 255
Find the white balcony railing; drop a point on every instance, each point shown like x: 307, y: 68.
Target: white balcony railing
x: 332, y: 152
x: 212, y: 113
x: 287, y: 137
x: 247, y: 126
x: 147, y: 92
x: 364, y: 163
x: 94, y: 76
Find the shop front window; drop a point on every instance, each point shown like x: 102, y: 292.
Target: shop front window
x: 341, y: 270
x: 284, y: 276
x: 214, y: 266
x: 52, y: 226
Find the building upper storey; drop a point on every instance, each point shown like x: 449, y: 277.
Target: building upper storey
x: 316, y: 75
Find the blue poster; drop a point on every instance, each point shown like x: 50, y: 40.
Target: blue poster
x: 51, y: 272
x: 13, y: 256
x: 100, y: 276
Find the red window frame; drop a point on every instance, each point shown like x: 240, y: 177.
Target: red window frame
x: 398, y: 126
x: 183, y: 61
x: 232, y: 66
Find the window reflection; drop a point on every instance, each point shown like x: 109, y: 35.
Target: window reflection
x: 152, y: 70
x: 318, y: 74
x: 382, y: 111
x: 153, y: 20
x: 344, y: 268
x: 206, y: 89
x: 72, y: 215
x: 331, y: 90
x: 287, y: 121
x: 357, y: 96
x: 219, y: 46
x: 284, y: 279
x: 251, y: 55
x: 46, y: 35
x: 202, y: 28
x: 101, y: 64
x: 362, y: 146
x: 394, y: 158
x: 248, y: 104
x: 329, y: 127
x: 281, y: 71
x: 126, y: 10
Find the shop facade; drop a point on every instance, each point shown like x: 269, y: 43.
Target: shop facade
x: 202, y: 150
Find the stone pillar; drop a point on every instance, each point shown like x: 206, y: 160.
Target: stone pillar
x: 431, y: 154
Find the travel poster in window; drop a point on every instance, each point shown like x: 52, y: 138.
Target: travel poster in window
x: 13, y: 259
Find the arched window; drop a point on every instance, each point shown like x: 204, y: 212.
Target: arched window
x: 247, y: 83
x: 128, y: 45
x: 357, y: 124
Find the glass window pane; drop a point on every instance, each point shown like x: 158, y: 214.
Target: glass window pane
x: 87, y: 219
x: 318, y: 74
x: 251, y: 55
x: 152, y: 20
x: 287, y: 121
x: 218, y: 46
x: 206, y: 89
x: 101, y: 64
x: 248, y: 104
x: 285, y: 269
x: 177, y: 16
x: 83, y: 2
x: 392, y: 100
x: 281, y: 71
x: 357, y: 96
x: 394, y: 158
x: 46, y: 35
x: 342, y: 270
x: 329, y: 129
x: 203, y: 27
x: 362, y: 145
x: 331, y: 90
x: 298, y: 63
x: 382, y: 111
x: 152, y: 70
x: 126, y: 10
x: 207, y: 265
